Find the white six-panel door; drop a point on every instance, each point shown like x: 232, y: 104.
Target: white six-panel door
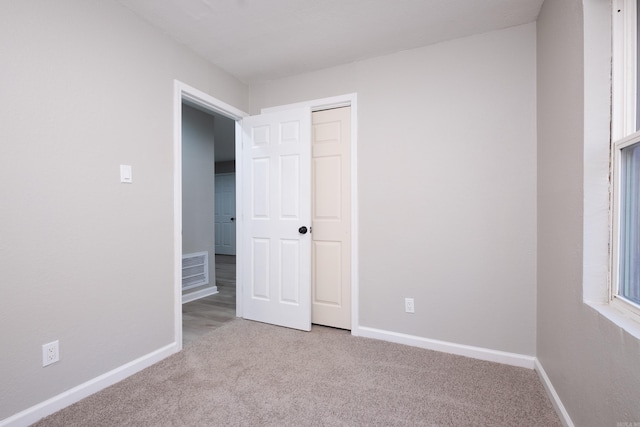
x: 331, y: 214
x: 225, y: 214
x: 276, y: 204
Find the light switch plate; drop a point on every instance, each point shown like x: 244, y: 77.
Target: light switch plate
x: 125, y: 174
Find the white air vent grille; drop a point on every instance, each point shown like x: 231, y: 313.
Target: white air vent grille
x: 195, y: 270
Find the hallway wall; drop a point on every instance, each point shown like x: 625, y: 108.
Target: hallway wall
x: 198, y: 187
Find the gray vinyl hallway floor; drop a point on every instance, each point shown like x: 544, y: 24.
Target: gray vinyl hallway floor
x: 208, y: 313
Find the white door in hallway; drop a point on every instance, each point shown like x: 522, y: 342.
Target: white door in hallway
x: 276, y: 165
x: 331, y: 216
x: 225, y: 213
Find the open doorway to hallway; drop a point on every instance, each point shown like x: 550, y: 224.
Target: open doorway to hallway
x: 208, y: 219
x: 186, y: 94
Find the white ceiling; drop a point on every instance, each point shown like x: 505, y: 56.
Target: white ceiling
x: 258, y: 40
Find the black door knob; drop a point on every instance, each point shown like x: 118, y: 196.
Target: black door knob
x: 233, y: 219
x: 302, y: 230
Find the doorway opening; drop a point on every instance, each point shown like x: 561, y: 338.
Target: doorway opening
x: 190, y: 95
x: 208, y: 219
x: 204, y: 223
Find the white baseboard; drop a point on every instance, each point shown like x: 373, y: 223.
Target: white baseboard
x: 192, y: 296
x: 481, y: 353
x: 69, y: 397
x: 555, y: 399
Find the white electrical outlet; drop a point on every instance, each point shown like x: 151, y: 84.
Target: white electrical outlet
x: 50, y: 353
x: 409, y: 307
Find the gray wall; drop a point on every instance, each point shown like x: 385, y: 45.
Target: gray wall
x: 198, y: 186
x: 592, y: 363
x: 452, y: 222
x: 85, y: 86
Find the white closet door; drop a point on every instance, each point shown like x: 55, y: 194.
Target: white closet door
x: 331, y: 215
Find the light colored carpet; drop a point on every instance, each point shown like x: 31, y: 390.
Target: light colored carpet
x: 251, y: 374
